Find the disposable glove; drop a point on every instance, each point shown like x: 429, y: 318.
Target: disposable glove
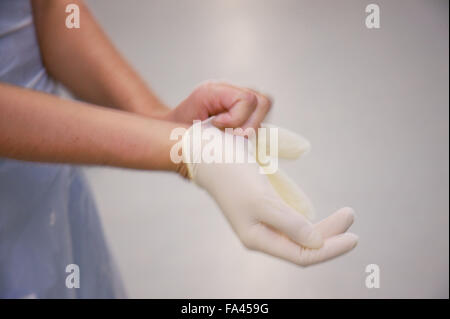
x: 268, y: 212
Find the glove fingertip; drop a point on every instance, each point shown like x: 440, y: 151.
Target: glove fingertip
x: 301, y: 147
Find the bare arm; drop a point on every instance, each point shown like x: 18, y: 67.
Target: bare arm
x: 35, y: 126
x: 86, y: 62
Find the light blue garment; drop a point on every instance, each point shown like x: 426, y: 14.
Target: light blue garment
x: 48, y: 218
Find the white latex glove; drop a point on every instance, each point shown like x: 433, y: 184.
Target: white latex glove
x: 269, y: 213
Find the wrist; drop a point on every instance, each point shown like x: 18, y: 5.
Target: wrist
x: 182, y: 170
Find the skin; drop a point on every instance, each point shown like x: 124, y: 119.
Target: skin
x: 122, y: 122
x: 45, y: 128
x: 39, y: 127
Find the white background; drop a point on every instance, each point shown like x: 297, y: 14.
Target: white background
x: 373, y: 103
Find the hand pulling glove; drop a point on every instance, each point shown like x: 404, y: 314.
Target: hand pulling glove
x: 265, y: 208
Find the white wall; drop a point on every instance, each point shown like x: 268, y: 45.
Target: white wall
x: 374, y: 104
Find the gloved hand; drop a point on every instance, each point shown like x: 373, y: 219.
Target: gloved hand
x: 268, y: 212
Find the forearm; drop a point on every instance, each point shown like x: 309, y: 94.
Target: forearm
x: 86, y: 62
x: 35, y: 126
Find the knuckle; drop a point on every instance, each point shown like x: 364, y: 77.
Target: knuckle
x: 208, y: 84
x: 266, y: 103
x: 305, y: 258
x: 250, y: 98
x: 205, y: 86
x: 248, y: 240
x: 248, y: 243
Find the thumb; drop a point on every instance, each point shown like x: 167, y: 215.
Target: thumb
x: 237, y: 114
